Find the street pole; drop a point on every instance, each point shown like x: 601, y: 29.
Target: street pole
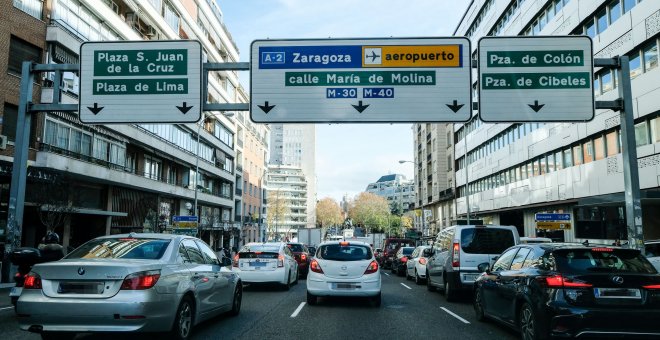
x: 467, y: 190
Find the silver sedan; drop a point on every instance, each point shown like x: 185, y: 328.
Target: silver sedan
x: 130, y: 282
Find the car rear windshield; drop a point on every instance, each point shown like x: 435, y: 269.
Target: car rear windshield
x: 606, y: 260
x: 351, y: 252
x: 400, y: 243
x: 296, y: 248
x: 121, y: 248
x: 652, y: 249
x: 486, y: 240
x: 407, y: 250
x: 260, y: 248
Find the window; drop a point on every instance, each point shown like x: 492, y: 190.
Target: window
x: 655, y: 130
x: 601, y: 20
x: 193, y: 252
x: 615, y: 10
x: 612, y: 143
x: 558, y: 160
x: 599, y: 148
x: 551, y: 162
x: 635, y: 65
x: 641, y: 133
x: 172, y: 18
x: 9, y: 116
x: 543, y: 166
x: 519, y: 259
x: 590, y: 29
x: 650, y: 56
x: 628, y: 5
x: 588, y: 148
x: 20, y: 51
x: 577, y: 155
x: 152, y: 167
x: 600, y: 222
x: 568, y: 158
x: 607, y: 80
x: 207, y: 253
x: 31, y: 7
x: 504, y: 261
x: 596, y: 85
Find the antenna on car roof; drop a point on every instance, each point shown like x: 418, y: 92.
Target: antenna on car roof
x: 586, y: 242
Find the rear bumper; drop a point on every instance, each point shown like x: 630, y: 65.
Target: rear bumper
x: 38, y: 312
x: 320, y: 285
x: 262, y: 276
x: 569, y: 321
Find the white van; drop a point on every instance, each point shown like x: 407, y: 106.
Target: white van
x: 458, y: 250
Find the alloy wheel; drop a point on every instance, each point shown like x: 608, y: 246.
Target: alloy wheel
x: 185, y: 319
x: 478, y: 305
x: 527, y: 326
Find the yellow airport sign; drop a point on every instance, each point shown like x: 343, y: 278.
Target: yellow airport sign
x: 412, y: 56
x: 553, y: 225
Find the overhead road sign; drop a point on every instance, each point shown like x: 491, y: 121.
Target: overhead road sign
x: 536, y: 79
x: 361, y: 80
x: 553, y: 225
x: 552, y: 217
x: 140, y: 82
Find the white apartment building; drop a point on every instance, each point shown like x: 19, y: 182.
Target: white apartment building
x: 399, y: 191
x: 517, y: 170
x: 295, y: 145
x: 288, y: 186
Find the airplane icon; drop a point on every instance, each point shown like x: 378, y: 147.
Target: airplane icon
x: 373, y: 56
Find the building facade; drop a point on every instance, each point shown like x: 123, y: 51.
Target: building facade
x: 434, y: 177
x: 287, y: 201
x: 399, y: 192
x: 122, y: 177
x: 517, y: 170
x: 295, y: 145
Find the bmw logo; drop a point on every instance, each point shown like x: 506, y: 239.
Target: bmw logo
x: 81, y: 271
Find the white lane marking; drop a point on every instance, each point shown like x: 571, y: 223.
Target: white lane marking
x: 454, y: 315
x: 5, y: 308
x: 403, y: 284
x: 386, y: 274
x: 302, y: 304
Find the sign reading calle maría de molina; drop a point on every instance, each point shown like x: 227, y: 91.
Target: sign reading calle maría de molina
x: 361, y: 80
x: 140, y: 82
x: 536, y: 79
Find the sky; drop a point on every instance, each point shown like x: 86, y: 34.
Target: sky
x: 348, y: 156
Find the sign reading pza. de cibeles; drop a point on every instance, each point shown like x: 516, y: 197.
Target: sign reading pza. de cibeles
x: 536, y: 79
x: 360, y: 80
x: 140, y: 82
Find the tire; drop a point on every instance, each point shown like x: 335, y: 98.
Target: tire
x: 376, y: 300
x: 57, y: 335
x: 287, y: 285
x: 237, y: 301
x: 450, y: 292
x: 418, y: 280
x: 392, y: 268
x: 408, y: 277
x: 311, y: 299
x: 184, y: 320
x: 429, y: 285
x: 530, y: 327
x: 478, y: 305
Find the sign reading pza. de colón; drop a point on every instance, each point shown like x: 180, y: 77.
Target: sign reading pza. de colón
x: 140, y: 82
x: 534, y: 79
x: 360, y: 80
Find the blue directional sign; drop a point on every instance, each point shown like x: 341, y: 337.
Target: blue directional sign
x: 184, y: 218
x: 552, y: 217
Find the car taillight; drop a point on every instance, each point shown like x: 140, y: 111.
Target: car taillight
x: 303, y: 257
x: 558, y: 281
x: 372, y: 268
x: 315, y: 267
x: 422, y: 260
x: 280, y: 261
x: 141, y: 280
x: 32, y: 281
x: 404, y: 259
x: 651, y: 287
x: 235, y: 262
x: 456, y: 256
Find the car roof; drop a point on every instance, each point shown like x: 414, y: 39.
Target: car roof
x: 566, y: 245
x: 147, y: 235
x: 325, y: 243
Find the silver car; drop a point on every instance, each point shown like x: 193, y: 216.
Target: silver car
x: 129, y: 282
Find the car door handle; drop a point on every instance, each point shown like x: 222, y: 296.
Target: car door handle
x: 216, y: 276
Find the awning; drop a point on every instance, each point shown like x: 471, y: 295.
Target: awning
x: 86, y: 211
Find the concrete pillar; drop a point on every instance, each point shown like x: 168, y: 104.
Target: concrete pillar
x: 108, y: 207
x: 66, y: 234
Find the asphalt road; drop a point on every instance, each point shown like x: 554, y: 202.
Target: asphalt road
x: 407, y: 311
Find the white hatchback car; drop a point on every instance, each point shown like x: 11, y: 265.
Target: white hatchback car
x: 343, y: 268
x: 270, y: 262
x: 416, y: 265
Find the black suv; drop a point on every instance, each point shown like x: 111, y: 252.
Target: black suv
x: 571, y: 290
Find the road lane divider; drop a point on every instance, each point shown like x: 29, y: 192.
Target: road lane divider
x: 386, y: 273
x: 455, y: 315
x: 6, y: 308
x: 403, y: 284
x: 300, y: 307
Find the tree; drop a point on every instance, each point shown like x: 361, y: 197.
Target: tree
x: 370, y: 210
x: 328, y: 212
x: 54, y: 195
x: 277, y: 208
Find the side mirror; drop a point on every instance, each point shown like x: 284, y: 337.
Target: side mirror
x: 226, y: 261
x: 483, y: 267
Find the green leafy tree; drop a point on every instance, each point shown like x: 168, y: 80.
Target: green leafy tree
x: 277, y: 209
x: 371, y: 211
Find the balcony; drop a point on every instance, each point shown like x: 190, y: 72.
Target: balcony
x: 429, y: 178
x: 239, y: 192
x: 428, y: 136
x: 238, y: 218
x: 428, y: 157
x: 239, y: 168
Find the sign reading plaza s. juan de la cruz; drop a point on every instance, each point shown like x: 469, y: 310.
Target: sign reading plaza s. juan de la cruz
x: 536, y: 79
x: 140, y: 82
x: 361, y: 80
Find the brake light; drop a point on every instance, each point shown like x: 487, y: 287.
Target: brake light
x: 303, y: 257
x: 315, y: 267
x: 422, y: 260
x: 456, y: 256
x: 651, y: 287
x: 558, y: 281
x: 344, y: 244
x: 372, y: 268
x: 235, y: 262
x: 602, y: 249
x: 32, y: 281
x: 280, y: 261
x: 141, y: 280
x: 404, y: 259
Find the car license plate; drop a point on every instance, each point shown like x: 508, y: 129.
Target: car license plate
x: 617, y: 293
x: 81, y: 288
x: 16, y: 291
x: 258, y: 264
x: 345, y: 285
x: 470, y: 277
